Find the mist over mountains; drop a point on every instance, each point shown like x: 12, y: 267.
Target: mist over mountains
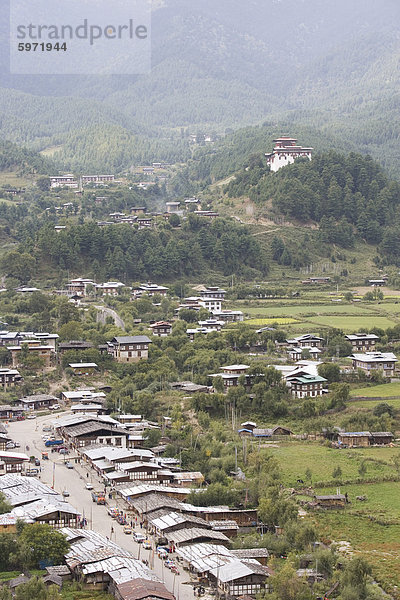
x: 219, y: 64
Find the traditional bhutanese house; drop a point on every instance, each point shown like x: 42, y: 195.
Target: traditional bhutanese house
x: 308, y: 340
x: 355, y: 439
x: 295, y: 354
x: 229, y: 316
x: 261, y: 555
x: 244, y: 517
x: 229, y: 528
x: 116, y: 477
x: 75, y: 345
x: 188, y: 479
x: 161, y: 328
x: 90, y: 408
x: 375, y: 361
x: 13, y: 460
x: 273, y: 431
x: 9, y: 413
x: 141, y: 471
x: 362, y: 342
x: 84, y: 396
x: 38, y: 401
x: 151, y: 289
x: 130, y: 349
x: 83, y: 368
x: 382, y: 438
x: 116, y: 457
x: 240, y: 578
x: 9, y: 377
x: 196, y: 535
x: 305, y: 385
x: 331, y: 501
x: 146, y: 489
x: 56, y: 513
x: 211, y: 325
x: 110, y: 288
x: 163, y: 522
x: 129, y: 418
x: 92, y: 432
x: 151, y: 505
x: 35, y: 347
x: 231, y: 373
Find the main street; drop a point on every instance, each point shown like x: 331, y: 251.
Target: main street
x: 55, y: 473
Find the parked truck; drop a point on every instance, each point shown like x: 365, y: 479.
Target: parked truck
x: 53, y: 443
x: 98, y: 497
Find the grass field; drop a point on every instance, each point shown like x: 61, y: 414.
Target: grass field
x: 378, y: 391
x: 294, y: 459
x: 371, y: 527
x: 349, y: 317
x: 353, y: 323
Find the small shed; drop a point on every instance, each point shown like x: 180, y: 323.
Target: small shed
x: 331, y: 501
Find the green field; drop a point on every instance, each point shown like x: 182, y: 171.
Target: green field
x: 353, y: 323
x: 372, y: 527
x: 294, y: 459
x: 378, y: 391
x: 348, y: 317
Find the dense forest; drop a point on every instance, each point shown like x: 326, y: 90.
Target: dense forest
x: 25, y: 161
x: 122, y: 252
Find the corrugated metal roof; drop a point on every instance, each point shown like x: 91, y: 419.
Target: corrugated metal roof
x: 186, y: 535
x: 171, y: 519
x: 236, y: 570
x: 204, y: 557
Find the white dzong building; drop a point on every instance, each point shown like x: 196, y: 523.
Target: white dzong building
x: 285, y: 153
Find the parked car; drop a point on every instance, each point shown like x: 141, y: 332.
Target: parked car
x: 31, y: 472
x: 89, y: 486
x: 63, y: 451
x: 10, y: 445
x: 17, y: 445
x: 37, y: 462
x: 46, y: 428
x: 31, y: 416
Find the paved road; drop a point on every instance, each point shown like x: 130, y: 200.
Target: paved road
x: 29, y: 433
x: 105, y: 311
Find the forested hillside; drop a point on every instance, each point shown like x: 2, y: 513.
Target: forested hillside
x: 126, y: 253
x: 345, y: 194
x: 26, y: 161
